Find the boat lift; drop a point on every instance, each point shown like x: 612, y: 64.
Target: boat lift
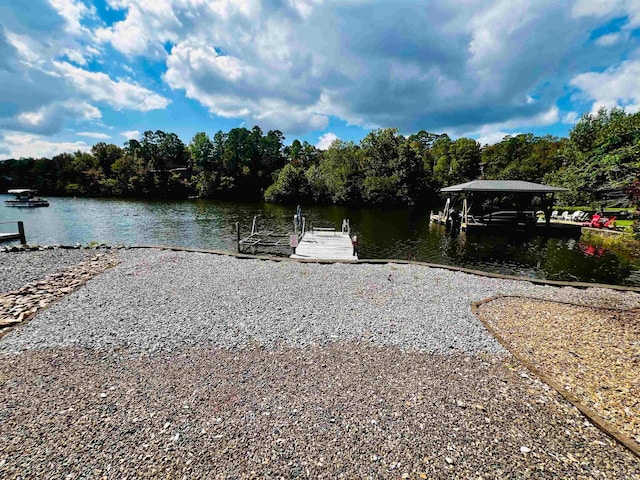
x: 265, y: 239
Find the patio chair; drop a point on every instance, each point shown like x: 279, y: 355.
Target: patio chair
x: 565, y: 215
x: 584, y: 217
x: 554, y: 214
x: 575, y: 216
x: 595, y: 222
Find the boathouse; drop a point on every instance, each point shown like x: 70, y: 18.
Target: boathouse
x: 497, y: 203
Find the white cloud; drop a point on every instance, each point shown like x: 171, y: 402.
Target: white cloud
x: 609, y: 9
x: 130, y: 134
x: 571, y: 118
x: 146, y: 27
x: 618, y: 86
x: 608, y: 39
x: 583, y: 8
x: 494, y: 132
x: 97, y: 135
x: 232, y: 88
x: 326, y: 140
x: 19, y: 145
x: 449, y: 66
x: 28, y: 50
x: 32, y: 118
x: 293, y: 65
x: 490, y: 138
x: 49, y: 118
x: 73, y: 12
x: 118, y: 94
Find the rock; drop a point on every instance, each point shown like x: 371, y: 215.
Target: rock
x: 19, y: 305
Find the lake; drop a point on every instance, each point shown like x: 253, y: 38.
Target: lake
x: 393, y: 234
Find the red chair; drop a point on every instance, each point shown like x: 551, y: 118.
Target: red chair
x: 595, y: 222
x: 610, y: 223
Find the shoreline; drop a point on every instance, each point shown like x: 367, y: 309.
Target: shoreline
x: 274, y: 258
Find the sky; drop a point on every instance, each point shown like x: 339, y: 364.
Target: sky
x: 77, y: 72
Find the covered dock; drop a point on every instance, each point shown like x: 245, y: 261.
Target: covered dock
x: 512, y: 204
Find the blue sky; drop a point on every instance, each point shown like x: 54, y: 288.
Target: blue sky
x: 75, y: 72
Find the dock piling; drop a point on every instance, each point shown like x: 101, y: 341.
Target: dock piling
x: 23, y: 238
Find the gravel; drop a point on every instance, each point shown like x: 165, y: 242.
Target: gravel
x: 189, y: 365
x: 342, y: 411
x: 19, y: 268
x: 164, y: 300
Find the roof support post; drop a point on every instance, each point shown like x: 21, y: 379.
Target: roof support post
x: 465, y: 211
x: 547, y: 206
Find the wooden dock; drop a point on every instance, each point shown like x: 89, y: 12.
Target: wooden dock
x: 19, y: 235
x: 325, y: 245
x: 319, y: 243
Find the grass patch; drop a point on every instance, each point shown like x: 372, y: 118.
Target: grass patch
x: 624, y: 223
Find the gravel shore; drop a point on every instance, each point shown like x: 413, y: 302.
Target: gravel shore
x: 189, y: 365
x: 163, y: 300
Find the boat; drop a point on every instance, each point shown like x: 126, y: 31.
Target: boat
x: 524, y: 218
x: 25, y: 197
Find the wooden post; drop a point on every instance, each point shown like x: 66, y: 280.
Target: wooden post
x: 23, y: 239
x: 465, y: 211
x: 547, y: 210
x: 238, y: 235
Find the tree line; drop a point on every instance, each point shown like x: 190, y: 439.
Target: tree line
x: 599, y: 163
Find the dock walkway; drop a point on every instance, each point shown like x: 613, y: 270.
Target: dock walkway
x: 8, y: 236
x: 325, y: 245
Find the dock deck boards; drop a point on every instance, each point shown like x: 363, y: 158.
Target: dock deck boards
x: 325, y: 245
x: 5, y: 237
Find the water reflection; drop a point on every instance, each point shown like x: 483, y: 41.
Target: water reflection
x: 393, y: 234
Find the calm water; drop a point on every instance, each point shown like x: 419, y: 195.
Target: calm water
x: 399, y: 234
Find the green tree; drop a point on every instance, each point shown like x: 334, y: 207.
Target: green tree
x: 290, y: 186
x: 442, y: 172
x: 202, y: 152
x: 465, y: 160
x: 340, y: 169
x: 601, y: 159
x: 381, y: 163
x: 106, y: 154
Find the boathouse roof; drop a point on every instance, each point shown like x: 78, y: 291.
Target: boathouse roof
x: 517, y: 186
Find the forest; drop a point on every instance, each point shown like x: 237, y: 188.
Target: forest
x: 599, y: 163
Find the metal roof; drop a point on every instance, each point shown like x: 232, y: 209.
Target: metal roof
x: 19, y: 191
x: 513, y: 186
